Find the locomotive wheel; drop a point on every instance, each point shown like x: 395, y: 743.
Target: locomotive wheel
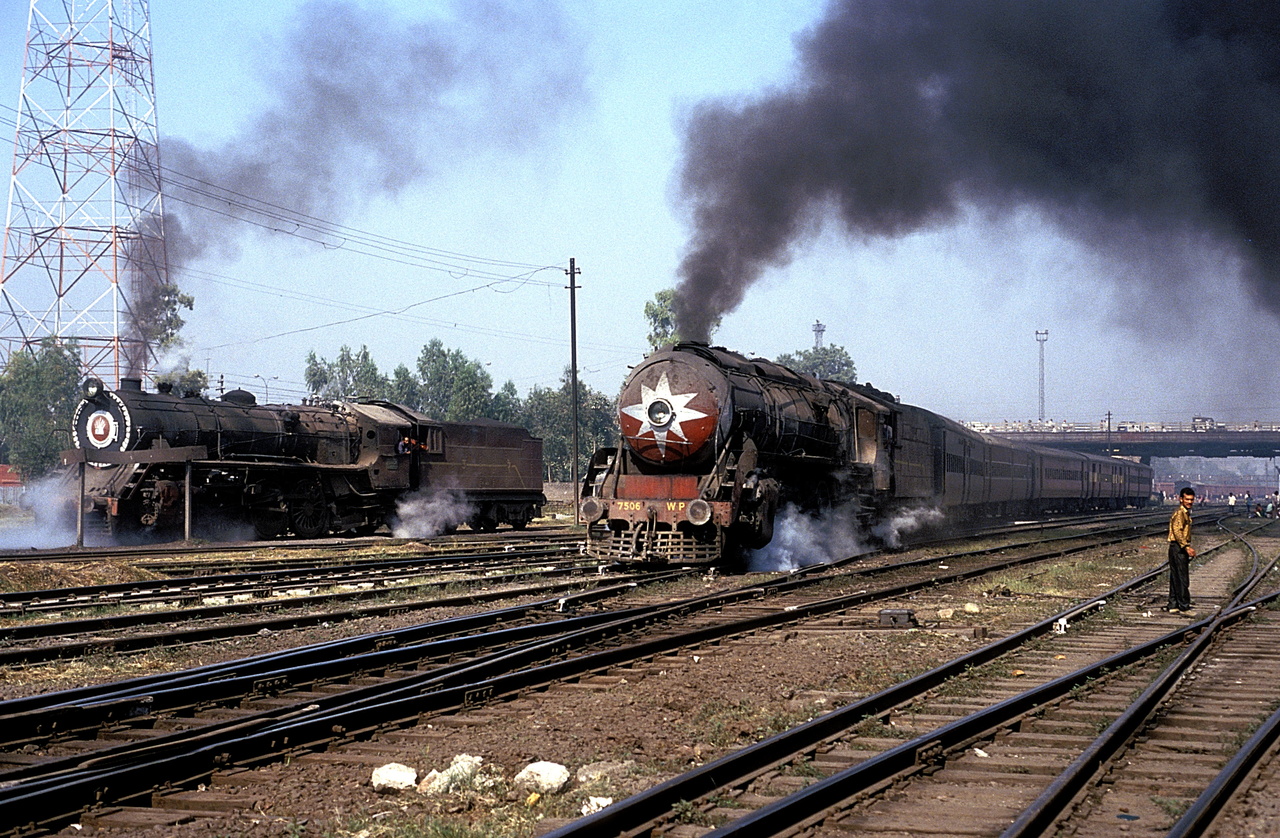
x: 268, y: 523
x: 484, y: 521
x: 308, y: 510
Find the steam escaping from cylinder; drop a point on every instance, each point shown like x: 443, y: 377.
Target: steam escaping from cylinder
x: 1133, y: 124
x: 367, y: 104
x: 801, y: 539
x: 429, y: 513
x: 890, y: 531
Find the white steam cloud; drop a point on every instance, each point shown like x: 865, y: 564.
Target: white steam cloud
x: 430, y: 512
x: 52, y: 501
x: 801, y: 539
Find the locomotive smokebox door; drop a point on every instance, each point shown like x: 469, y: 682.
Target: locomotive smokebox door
x: 897, y: 617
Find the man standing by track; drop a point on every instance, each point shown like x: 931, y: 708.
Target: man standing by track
x: 1180, y: 554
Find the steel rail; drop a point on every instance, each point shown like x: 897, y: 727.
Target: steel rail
x: 135, y: 769
x: 1052, y: 804
x: 630, y: 815
x: 14, y: 603
x: 83, y: 707
x: 1201, y: 814
x: 439, y: 544
x: 807, y: 804
x: 262, y: 600
x: 303, y: 618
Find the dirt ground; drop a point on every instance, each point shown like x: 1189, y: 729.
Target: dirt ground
x: 635, y: 728
x: 632, y: 729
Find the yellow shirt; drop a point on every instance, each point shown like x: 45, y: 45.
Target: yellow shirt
x: 1180, y: 526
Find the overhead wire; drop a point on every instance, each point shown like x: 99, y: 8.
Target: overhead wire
x: 268, y: 216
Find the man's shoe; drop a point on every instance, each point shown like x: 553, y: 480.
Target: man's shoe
x: 1172, y: 610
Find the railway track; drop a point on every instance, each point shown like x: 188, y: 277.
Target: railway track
x: 1047, y: 738
x: 64, y: 767
x: 167, y: 555
x: 259, y: 583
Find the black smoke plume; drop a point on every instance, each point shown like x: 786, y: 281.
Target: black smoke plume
x: 1123, y: 122
x: 367, y: 103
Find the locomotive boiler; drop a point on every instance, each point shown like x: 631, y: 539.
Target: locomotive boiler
x: 309, y: 470
x: 713, y: 444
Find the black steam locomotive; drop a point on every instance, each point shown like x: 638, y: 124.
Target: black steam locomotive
x: 310, y: 470
x: 713, y: 444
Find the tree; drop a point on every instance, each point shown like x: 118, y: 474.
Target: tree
x: 447, y: 385
x: 660, y: 313
x: 406, y: 389
x: 829, y: 362
x: 38, y: 395
x: 454, y: 387
x: 548, y: 414
x: 157, y: 318
x: 351, y: 375
x: 506, y: 405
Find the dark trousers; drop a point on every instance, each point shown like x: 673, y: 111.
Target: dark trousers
x: 1179, y: 577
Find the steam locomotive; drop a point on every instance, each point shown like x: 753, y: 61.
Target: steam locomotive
x: 310, y: 470
x: 714, y: 444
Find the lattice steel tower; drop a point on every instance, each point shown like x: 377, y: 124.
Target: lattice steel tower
x: 84, y: 255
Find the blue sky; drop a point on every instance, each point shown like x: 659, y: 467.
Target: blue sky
x: 945, y: 318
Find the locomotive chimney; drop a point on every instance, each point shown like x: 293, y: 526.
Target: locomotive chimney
x: 131, y: 384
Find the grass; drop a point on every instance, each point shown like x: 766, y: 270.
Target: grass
x: 729, y: 725
x: 1171, y: 806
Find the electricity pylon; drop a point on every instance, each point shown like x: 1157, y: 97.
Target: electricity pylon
x: 84, y: 256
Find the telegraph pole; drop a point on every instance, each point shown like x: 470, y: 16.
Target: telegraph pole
x: 573, y: 378
x: 1041, y: 337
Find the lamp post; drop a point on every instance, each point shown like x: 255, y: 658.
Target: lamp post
x: 266, y: 387
x: 1042, y: 335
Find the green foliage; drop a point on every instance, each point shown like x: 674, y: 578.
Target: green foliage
x: 351, y: 375
x: 38, y: 395
x: 405, y: 388
x: 506, y: 405
x: 156, y: 317
x: 454, y: 387
x: 827, y: 362
x: 548, y: 413
x: 660, y: 312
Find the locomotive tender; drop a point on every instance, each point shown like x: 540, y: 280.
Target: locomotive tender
x: 306, y: 469
x: 713, y: 444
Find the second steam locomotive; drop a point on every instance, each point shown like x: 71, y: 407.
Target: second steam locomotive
x: 310, y: 470
x: 714, y: 444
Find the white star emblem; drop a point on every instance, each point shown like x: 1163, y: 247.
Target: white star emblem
x: 661, y: 412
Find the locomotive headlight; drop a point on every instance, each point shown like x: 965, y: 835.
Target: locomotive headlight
x: 659, y: 413
x: 592, y: 509
x: 93, y: 388
x: 698, y: 512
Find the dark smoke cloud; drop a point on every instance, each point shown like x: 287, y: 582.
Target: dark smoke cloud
x: 368, y: 103
x: 1124, y: 122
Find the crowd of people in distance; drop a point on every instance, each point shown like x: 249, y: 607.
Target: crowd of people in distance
x: 1267, y: 506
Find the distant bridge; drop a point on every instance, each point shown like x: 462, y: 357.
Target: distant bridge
x: 1202, y: 437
